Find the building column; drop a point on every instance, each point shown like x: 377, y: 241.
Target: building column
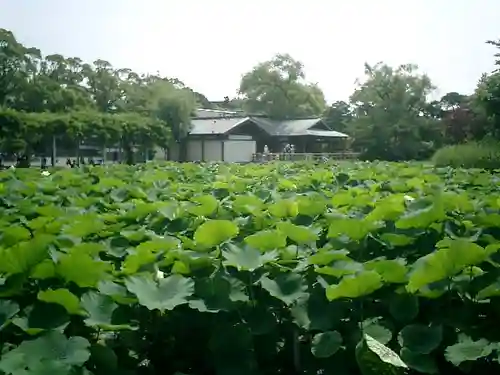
x: 222, y: 149
x: 202, y: 149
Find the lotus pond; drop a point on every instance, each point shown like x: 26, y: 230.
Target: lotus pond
x: 286, y: 268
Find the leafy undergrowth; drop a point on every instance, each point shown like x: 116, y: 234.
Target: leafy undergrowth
x: 372, y: 268
x: 485, y: 154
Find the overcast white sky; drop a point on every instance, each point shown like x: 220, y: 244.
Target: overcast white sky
x: 210, y: 44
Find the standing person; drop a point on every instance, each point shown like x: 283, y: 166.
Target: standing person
x: 266, y: 153
x: 287, y: 150
x: 43, y: 163
x: 292, y: 151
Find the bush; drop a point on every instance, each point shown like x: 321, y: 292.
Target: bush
x: 470, y: 155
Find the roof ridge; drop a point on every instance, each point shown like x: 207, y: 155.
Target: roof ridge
x: 217, y: 117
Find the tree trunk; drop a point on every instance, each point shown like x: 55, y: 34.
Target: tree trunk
x: 53, y: 155
x: 78, y: 152
x: 183, y: 149
x: 129, y: 153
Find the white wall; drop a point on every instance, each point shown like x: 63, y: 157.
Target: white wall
x: 173, y: 151
x: 213, y: 150
x: 194, y: 150
x: 239, y: 151
x: 238, y: 148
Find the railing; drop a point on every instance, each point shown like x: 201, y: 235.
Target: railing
x: 264, y: 157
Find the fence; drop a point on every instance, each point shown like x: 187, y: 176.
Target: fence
x: 261, y: 157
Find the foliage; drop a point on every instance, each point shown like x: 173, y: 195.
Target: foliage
x: 366, y: 268
x: 462, y: 119
x: 22, y: 131
x: 389, y: 115
x: 391, y: 121
x: 488, y: 98
x: 277, y: 88
x: 338, y: 116
x: 495, y: 43
x: 469, y: 155
x: 86, y: 101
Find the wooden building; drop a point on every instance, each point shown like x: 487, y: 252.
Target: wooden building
x: 233, y: 137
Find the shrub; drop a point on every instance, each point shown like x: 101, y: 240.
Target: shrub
x: 470, y: 155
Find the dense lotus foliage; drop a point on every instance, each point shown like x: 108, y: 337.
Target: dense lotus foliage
x: 199, y: 269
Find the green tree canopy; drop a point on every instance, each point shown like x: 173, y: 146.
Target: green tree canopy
x: 390, y: 109
x: 389, y: 114
x: 339, y: 116
x: 278, y: 89
x: 86, y: 100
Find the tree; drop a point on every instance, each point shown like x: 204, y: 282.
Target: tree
x: 390, y: 107
x: 338, y: 116
x: 278, y: 89
x: 174, y: 106
x: 47, y: 97
x: 488, y: 99
x: 13, y: 65
x: 461, y: 119
x: 487, y: 96
x: 496, y: 43
x: 103, y: 83
x: 230, y: 104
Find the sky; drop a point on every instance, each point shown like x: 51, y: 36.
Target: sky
x: 209, y: 45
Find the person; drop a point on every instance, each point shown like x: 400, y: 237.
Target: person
x: 43, y: 164
x: 265, y: 154
x: 292, y: 151
x: 287, y: 151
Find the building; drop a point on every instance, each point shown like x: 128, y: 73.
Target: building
x: 218, y: 135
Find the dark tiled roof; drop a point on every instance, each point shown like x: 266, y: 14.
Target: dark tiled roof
x: 285, y: 127
x: 295, y: 127
x: 210, y: 121
x: 327, y: 133
x: 205, y: 126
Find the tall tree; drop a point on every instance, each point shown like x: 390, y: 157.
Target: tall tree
x: 487, y: 95
x: 496, y: 43
x: 488, y: 99
x: 278, y: 88
x: 52, y: 95
x: 391, y: 119
x: 174, y: 106
x: 338, y: 116
x: 13, y: 66
x: 103, y: 82
x: 460, y: 118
